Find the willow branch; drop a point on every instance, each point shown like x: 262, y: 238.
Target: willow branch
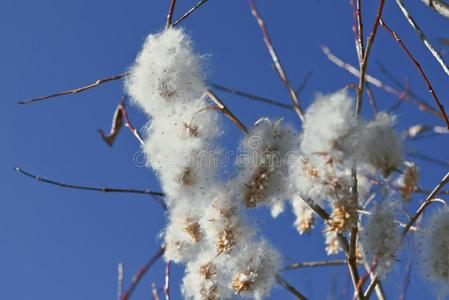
x: 366, y: 53
x: 311, y: 264
x: 138, y: 276
x: 226, y: 111
x: 281, y: 281
x: 189, y: 12
x: 167, y: 281
x: 96, y: 189
x: 426, y: 203
x: 170, y: 14
x: 379, y: 84
x: 75, y: 90
x: 422, y: 36
x: 276, y: 61
x: 120, y: 269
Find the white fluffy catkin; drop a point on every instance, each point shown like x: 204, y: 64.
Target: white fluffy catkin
x: 264, y: 173
x: 435, y: 254
x: 381, y: 237
x: 207, y: 229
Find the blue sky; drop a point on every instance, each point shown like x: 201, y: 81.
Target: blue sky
x: 65, y: 244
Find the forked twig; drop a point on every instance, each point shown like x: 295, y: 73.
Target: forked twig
x: 143, y: 270
x: 276, y: 61
x: 421, y: 71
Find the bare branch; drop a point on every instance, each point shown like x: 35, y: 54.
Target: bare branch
x: 120, y: 268
x: 226, y: 111
x: 170, y: 13
x: 138, y: 276
x: 76, y: 90
x: 422, y: 36
x: 189, y: 12
x: 276, y: 61
x: 379, y: 84
x: 96, y: 189
x: 117, y: 122
x: 426, y: 203
x: 290, y: 288
x: 421, y: 71
x: 311, y: 264
x: 167, y: 281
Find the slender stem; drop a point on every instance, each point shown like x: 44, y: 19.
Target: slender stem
x: 276, y: 61
x: 366, y: 53
x: 97, y: 189
x: 226, y: 111
x: 426, y: 203
x: 120, y: 269
x: 167, y: 281
x: 371, y: 287
x: 128, y: 123
x: 379, y: 84
x: 422, y: 36
x: 170, y: 14
x: 139, y: 275
x: 421, y: 71
x: 290, y: 288
x: 155, y: 292
x: 75, y: 90
x: 309, y: 264
x: 251, y: 96
x: 189, y: 12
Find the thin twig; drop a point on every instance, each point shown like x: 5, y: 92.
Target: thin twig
x: 421, y: 71
x: 155, y: 292
x: 128, y: 122
x: 290, y: 288
x: 251, y: 96
x: 366, y: 53
x: 76, y: 90
x: 120, y: 269
x: 303, y: 84
x: 226, y: 111
x: 371, y: 287
x: 379, y: 84
x: 276, y: 61
x: 167, y: 281
x: 308, y: 264
x: 371, y: 98
x: 426, y: 203
x: 143, y: 270
x: 422, y: 36
x: 170, y: 14
x: 439, y: 6
x: 97, y: 189
x: 422, y: 156
x: 189, y: 12
x: 408, y: 273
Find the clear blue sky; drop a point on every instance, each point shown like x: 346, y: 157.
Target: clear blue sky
x: 65, y: 244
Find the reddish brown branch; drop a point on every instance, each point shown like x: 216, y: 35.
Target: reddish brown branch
x: 222, y: 107
x: 138, y: 276
x: 167, y: 281
x: 365, y: 55
x: 128, y: 122
x: 276, y: 61
x: 76, y: 90
x: 421, y: 71
x: 170, y: 14
x: 426, y: 203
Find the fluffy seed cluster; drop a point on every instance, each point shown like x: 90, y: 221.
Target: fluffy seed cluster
x: 333, y: 142
x: 207, y: 229
x: 264, y: 172
x: 435, y: 241
x: 381, y: 237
